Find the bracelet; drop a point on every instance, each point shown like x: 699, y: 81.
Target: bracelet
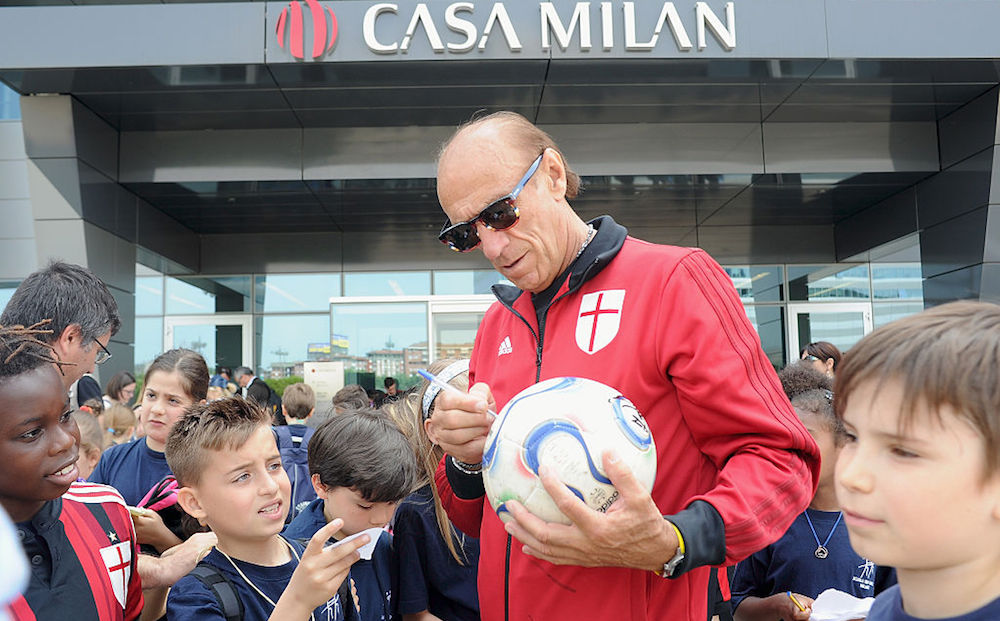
x: 467, y: 468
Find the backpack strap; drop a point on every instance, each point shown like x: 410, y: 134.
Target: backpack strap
x: 283, y: 436
x: 222, y: 588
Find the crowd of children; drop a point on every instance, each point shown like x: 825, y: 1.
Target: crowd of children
x: 341, y: 519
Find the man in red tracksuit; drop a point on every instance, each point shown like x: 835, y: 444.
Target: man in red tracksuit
x: 661, y: 324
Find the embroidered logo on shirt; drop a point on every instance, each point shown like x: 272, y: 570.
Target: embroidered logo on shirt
x: 505, y: 347
x: 599, y: 318
x: 866, y: 579
x: 118, y: 561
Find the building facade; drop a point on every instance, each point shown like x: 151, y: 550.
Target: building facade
x: 256, y: 179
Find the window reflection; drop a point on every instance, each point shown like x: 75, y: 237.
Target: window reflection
x: 466, y: 282
x: 285, y: 342
x: 770, y: 325
x: 897, y: 281
x: 7, y: 290
x: 884, y: 312
x: 761, y: 283
x: 202, y: 295
x: 148, y: 341
x: 387, y: 339
x: 455, y: 333
x: 828, y: 282
x: 295, y: 292
x: 10, y: 103
x: 360, y: 284
x: 149, y: 295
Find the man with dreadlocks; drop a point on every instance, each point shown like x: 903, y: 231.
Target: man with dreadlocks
x: 78, y: 537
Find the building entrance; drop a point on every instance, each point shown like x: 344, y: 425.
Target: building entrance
x: 840, y: 323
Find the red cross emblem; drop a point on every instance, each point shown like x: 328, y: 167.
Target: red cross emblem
x: 599, y: 318
x: 118, y: 561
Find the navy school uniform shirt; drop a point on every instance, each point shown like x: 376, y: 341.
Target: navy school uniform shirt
x: 191, y: 600
x: 429, y: 576
x: 132, y: 468
x: 888, y: 606
x: 372, y: 580
x: 790, y: 564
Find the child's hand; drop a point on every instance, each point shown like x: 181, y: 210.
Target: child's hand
x: 150, y: 529
x: 321, y: 571
x: 785, y: 608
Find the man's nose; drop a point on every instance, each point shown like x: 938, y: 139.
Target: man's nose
x: 492, y: 242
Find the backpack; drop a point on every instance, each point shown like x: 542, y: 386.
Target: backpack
x: 232, y: 606
x: 295, y: 458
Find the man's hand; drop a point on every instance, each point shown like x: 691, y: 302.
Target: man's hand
x: 632, y: 533
x: 459, y: 423
x: 321, y: 571
x: 175, y: 563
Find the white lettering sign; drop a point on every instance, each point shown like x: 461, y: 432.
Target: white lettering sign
x: 460, y: 19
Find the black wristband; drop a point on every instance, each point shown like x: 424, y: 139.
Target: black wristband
x: 465, y: 486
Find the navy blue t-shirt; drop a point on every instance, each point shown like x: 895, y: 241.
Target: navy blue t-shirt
x: 373, y: 580
x: 429, y: 576
x: 888, y: 606
x: 191, y: 600
x: 789, y: 564
x: 131, y: 468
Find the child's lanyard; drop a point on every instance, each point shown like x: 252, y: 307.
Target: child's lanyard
x: 254, y: 586
x: 821, y: 549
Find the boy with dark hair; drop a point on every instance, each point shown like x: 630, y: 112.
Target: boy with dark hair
x: 362, y: 466
x: 918, y: 478
x: 78, y: 536
x: 297, y: 405
x: 224, y: 455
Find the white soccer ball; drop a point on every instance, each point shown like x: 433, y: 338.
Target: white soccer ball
x: 565, y: 423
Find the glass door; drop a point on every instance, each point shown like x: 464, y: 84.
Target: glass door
x: 225, y: 340
x: 454, y: 323
x: 840, y: 323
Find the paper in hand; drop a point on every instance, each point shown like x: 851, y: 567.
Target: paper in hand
x: 834, y: 605
x: 366, y: 550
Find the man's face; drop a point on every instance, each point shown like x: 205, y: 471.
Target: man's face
x: 532, y: 252
x: 39, y: 442
x: 243, y: 380
x: 915, y: 498
x: 70, y: 347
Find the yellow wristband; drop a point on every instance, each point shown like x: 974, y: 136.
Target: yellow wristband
x: 680, y: 539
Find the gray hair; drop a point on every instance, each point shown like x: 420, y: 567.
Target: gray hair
x: 69, y: 295
x: 241, y: 371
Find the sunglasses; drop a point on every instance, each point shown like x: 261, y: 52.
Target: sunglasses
x: 102, y: 356
x: 499, y: 215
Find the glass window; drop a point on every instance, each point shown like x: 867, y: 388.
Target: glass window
x: 828, y: 282
x: 200, y: 295
x: 359, y: 284
x: 455, y: 334
x: 148, y: 342
x: 7, y: 290
x: 295, y: 292
x: 884, y: 312
x: 386, y: 339
x: 10, y: 103
x: 466, y: 282
x: 283, y: 343
x: 149, y: 295
x: 769, y: 321
x: 762, y: 283
x: 897, y: 281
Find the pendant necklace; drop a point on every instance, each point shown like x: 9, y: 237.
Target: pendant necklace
x: 586, y: 241
x: 821, y: 551
x: 254, y: 586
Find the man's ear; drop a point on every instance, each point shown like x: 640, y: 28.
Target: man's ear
x: 187, y: 498
x: 318, y: 486
x: 555, y: 172
x: 71, y: 335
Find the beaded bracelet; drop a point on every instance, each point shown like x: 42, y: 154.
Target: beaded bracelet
x: 467, y: 468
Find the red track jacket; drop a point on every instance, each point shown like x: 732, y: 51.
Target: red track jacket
x: 665, y: 327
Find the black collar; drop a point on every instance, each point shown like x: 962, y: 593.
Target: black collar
x: 608, y: 240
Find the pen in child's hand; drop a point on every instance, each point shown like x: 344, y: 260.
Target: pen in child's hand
x: 436, y: 381
x: 796, y: 602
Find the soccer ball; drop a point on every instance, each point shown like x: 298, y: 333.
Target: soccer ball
x: 565, y: 423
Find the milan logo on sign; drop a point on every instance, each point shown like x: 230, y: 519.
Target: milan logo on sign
x: 324, y: 29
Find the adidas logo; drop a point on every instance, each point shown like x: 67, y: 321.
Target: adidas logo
x: 505, y: 347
